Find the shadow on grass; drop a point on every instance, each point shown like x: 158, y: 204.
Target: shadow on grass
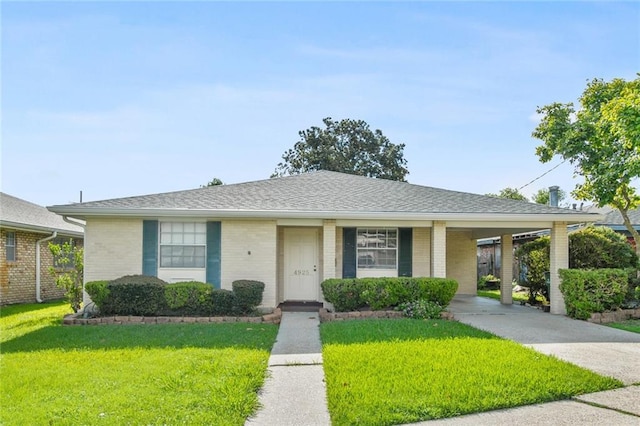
x: 365, y: 331
x: 217, y: 336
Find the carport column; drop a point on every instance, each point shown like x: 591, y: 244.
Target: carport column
x: 559, y: 260
x: 439, y: 249
x: 328, y: 249
x: 506, y: 269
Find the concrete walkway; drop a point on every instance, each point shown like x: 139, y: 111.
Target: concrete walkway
x: 295, y: 392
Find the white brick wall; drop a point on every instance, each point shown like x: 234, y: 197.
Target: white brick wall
x: 338, y: 252
x: 329, y: 250
x: 421, y: 252
x: 559, y: 260
x: 249, y: 252
x: 461, y: 260
x: 439, y: 250
x: 113, y: 248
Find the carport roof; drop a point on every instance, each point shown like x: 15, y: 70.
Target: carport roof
x: 328, y: 195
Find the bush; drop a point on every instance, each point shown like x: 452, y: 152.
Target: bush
x: 421, y: 309
x: 135, y: 295
x: 589, y: 291
x: 248, y: 295
x: 223, y: 302
x: 380, y: 293
x: 98, y: 292
x: 188, y: 298
x: 345, y: 294
x: 482, y: 282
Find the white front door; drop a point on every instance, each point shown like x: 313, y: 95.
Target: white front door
x: 301, y: 264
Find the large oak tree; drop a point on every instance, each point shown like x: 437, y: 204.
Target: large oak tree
x: 347, y: 146
x: 602, y: 140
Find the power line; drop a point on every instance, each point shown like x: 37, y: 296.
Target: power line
x: 545, y: 173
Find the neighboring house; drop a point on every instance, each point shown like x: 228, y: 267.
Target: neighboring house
x: 25, y: 258
x: 294, y: 232
x: 613, y: 220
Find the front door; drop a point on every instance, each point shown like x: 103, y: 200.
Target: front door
x: 301, y: 264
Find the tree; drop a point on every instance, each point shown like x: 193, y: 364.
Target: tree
x: 510, y: 193
x: 214, y: 182
x: 601, y: 140
x: 542, y: 196
x: 70, y: 259
x: 347, y: 146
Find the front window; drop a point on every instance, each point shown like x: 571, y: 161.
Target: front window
x: 377, y: 248
x: 10, y: 246
x: 183, y: 245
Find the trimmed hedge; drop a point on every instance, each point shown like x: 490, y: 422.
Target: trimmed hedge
x: 248, y: 295
x: 351, y: 294
x: 188, y: 298
x: 595, y: 290
x: 98, y: 291
x: 135, y: 295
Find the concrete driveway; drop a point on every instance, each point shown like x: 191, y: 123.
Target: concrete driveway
x: 599, y: 348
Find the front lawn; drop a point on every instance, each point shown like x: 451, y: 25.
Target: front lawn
x: 629, y: 325
x: 134, y: 374
x: 495, y: 294
x: 385, y: 372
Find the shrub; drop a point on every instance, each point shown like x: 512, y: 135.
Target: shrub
x: 222, y: 302
x: 421, y: 309
x: 345, y: 294
x: 482, y: 282
x: 589, y: 291
x: 533, y: 258
x: 379, y: 293
x: 248, y: 295
x: 135, y: 295
x: 598, y: 247
x: 189, y: 298
x: 98, y: 292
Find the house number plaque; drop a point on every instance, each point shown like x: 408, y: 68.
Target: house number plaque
x: 301, y: 272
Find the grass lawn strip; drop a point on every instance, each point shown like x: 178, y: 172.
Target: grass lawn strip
x: 632, y: 325
x: 451, y: 369
x: 136, y: 374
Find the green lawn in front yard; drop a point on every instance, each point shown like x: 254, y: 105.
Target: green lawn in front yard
x: 385, y: 372
x: 629, y: 325
x: 133, y: 374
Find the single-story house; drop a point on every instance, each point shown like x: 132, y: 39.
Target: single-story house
x: 294, y: 232
x: 25, y: 258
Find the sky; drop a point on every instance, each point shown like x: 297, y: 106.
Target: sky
x: 117, y: 99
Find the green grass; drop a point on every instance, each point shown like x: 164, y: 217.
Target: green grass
x: 632, y: 325
x: 134, y: 374
x: 382, y: 372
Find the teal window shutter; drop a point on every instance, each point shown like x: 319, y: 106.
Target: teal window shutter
x: 349, y: 236
x: 150, y: 247
x: 405, y: 252
x: 214, y: 252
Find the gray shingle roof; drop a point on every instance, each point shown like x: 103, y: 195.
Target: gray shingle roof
x: 321, y: 191
x: 15, y: 212
x: 613, y: 217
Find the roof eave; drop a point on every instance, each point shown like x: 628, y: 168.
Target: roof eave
x: 83, y: 213
x: 39, y: 229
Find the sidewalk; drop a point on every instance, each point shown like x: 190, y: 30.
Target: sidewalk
x: 295, y: 393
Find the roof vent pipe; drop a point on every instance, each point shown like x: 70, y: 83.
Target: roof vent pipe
x: 553, y: 196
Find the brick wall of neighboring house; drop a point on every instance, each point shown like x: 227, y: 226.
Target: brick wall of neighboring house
x: 18, y: 278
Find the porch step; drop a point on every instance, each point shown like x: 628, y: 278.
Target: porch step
x: 291, y: 306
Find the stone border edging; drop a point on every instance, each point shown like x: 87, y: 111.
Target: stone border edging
x: 75, y: 319
x: 326, y: 316
x: 615, y: 316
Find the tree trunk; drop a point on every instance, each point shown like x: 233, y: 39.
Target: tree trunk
x: 634, y: 233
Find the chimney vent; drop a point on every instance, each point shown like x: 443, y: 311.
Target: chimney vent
x: 553, y: 196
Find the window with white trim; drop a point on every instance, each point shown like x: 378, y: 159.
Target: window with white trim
x: 10, y: 246
x: 183, y: 244
x: 377, y: 248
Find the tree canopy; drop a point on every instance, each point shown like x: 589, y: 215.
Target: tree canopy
x: 511, y: 193
x: 347, y: 146
x: 213, y: 182
x: 602, y: 140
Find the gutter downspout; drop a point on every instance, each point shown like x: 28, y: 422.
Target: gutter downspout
x: 51, y: 237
